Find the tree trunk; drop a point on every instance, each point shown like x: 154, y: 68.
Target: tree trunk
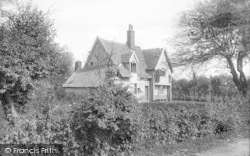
x: 240, y: 81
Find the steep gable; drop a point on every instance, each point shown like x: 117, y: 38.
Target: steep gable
x: 120, y: 50
x: 98, y: 55
x: 133, y: 58
x: 151, y: 57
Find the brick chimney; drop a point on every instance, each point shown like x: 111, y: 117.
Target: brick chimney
x: 131, y: 37
x: 78, y: 65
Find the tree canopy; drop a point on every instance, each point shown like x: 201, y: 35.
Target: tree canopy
x: 28, y: 52
x: 216, y: 29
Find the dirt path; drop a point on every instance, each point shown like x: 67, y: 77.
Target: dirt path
x: 240, y: 147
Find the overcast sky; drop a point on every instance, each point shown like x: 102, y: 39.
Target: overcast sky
x: 79, y: 22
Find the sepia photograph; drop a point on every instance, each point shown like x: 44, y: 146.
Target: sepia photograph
x: 125, y: 77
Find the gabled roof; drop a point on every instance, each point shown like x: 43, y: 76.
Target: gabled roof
x: 168, y: 60
x: 87, y: 77
x: 123, y: 71
x: 126, y: 57
x: 120, y: 54
x: 151, y: 57
x: 118, y: 50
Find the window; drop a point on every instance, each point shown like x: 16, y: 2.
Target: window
x: 133, y: 67
x: 163, y: 72
x: 160, y: 89
x: 135, y: 88
x: 91, y: 63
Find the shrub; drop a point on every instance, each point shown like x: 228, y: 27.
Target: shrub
x: 106, y: 122
x: 45, y: 121
x: 30, y: 130
x: 167, y: 125
x: 225, y: 116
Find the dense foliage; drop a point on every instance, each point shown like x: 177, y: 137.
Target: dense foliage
x: 109, y: 121
x: 168, y: 125
x: 106, y: 122
x: 201, y: 88
x: 45, y: 122
x: 28, y: 54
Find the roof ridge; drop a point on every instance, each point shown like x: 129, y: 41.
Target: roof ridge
x: 111, y: 41
x: 152, y: 49
x: 117, y: 42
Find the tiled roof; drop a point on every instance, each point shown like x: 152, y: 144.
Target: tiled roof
x: 126, y: 57
x: 117, y: 50
x: 151, y: 57
x: 121, y: 53
x: 87, y: 77
x: 123, y: 71
x: 169, y: 63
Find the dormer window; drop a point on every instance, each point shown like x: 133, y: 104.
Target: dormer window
x: 163, y: 72
x: 133, y: 67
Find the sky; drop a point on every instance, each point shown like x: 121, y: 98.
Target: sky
x: 79, y: 22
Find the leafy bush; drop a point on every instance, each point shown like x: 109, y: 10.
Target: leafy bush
x: 34, y: 129
x: 167, y: 125
x: 44, y: 121
x: 110, y: 122
x: 106, y: 122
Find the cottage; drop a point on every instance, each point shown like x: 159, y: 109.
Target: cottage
x: 148, y: 73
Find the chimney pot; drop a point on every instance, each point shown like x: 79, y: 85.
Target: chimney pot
x: 78, y: 65
x: 130, y: 27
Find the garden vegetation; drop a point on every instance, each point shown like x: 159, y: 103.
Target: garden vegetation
x: 107, y: 122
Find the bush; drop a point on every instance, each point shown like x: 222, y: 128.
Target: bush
x: 111, y: 122
x: 168, y: 125
x: 34, y: 129
x: 106, y: 122
x: 45, y: 121
x: 225, y: 116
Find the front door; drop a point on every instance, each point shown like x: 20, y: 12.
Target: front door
x: 146, y: 93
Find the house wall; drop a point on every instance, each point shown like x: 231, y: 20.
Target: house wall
x: 151, y: 85
x: 163, y: 81
x: 141, y: 93
x: 141, y: 83
x: 162, y: 64
x: 99, y: 55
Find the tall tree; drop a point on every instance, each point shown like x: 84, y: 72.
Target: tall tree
x: 28, y: 53
x: 202, y: 86
x: 216, y: 29
x: 65, y: 61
